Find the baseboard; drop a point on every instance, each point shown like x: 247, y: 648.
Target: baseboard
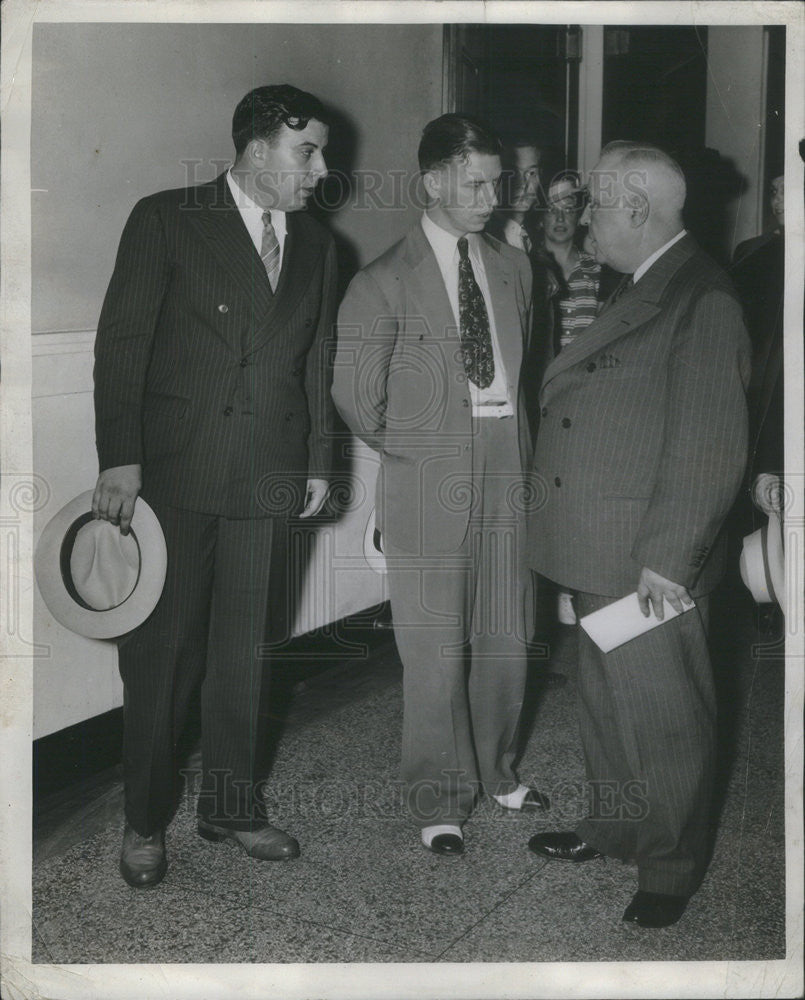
x: 77, y: 754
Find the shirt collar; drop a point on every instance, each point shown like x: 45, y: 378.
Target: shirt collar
x: 640, y: 271
x: 444, y: 244
x: 249, y: 207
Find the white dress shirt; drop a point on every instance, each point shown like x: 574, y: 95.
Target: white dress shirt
x: 515, y: 234
x: 640, y: 271
x: 493, y: 401
x: 252, y: 216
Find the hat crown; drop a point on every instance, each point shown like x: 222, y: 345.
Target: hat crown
x: 104, y: 565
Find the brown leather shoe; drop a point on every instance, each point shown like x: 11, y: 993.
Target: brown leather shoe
x: 267, y: 843
x: 143, y: 862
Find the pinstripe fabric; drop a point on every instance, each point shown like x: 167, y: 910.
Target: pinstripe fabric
x: 647, y: 721
x: 223, y: 597
x: 642, y: 440
x: 217, y: 388
x: 220, y: 390
x: 641, y: 450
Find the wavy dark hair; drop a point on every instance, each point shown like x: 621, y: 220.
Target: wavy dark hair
x: 455, y: 136
x: 263, y: 112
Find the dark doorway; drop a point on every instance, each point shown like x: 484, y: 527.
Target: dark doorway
x: 523, y: 78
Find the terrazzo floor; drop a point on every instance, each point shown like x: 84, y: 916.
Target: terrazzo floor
x: 364, y: 890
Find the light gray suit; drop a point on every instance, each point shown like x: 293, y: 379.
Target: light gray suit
x: 450, y: 506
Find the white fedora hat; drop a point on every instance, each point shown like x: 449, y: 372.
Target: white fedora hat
x: 372, y: 551
x: 763, y: 563
x: 95, y: 581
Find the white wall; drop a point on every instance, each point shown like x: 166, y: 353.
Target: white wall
x: 117, y: 109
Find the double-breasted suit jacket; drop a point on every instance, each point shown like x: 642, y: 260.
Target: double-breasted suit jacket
x: 643, y: 434
x: 213, y: 384
x: 399, y: 383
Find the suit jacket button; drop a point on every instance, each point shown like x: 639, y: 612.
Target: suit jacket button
x: 228, y: 411
x: 465, y: 402
x: 544, y: 411
x: 557, y: 481
x: 566, y: 421
x: 223, y: 308
x: 296, y: 371
x: 591, y: 367
x: 244, y: 362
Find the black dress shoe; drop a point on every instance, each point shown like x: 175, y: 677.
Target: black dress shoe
x: 266, y: 843
x: 446, y: 844
x: 143, y: 862
x: 562, y: 847
x: 654, y: 909
x: 533, y: 801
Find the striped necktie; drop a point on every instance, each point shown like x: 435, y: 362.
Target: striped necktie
x: 270, y: 251
x: 476, y: 338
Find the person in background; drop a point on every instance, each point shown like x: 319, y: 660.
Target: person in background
x: 516, y: 221
x: 758, y: 273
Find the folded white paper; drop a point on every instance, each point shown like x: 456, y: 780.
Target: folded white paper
x: 623, y: 620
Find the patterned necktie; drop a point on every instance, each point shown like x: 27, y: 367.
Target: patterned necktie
x: 527, y: 246
x: 270, y: 251
x: 476, y: 340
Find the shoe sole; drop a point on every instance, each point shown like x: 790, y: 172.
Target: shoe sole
x: 443, y: 854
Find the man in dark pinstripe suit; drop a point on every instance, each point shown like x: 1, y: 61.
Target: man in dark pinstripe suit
x: 641, y: 450
x: 212, y: 402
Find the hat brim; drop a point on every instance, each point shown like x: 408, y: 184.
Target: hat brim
x: 372, y: 552
x: 762, y: 563
x: 61, y: 599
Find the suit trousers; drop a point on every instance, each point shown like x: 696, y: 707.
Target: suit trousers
x: 460, y: 627
x: 647, y: 719
x: 224, y: 598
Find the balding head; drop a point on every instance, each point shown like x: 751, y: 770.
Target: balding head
x: 637, y: 195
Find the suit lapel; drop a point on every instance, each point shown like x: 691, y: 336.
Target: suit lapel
x: 634, y: 308
x: 428, y: 287
x: 220, y: 224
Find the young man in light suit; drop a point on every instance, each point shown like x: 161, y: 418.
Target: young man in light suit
x: 431, y: 338
x: 641, y: 451
x: 212, y: 401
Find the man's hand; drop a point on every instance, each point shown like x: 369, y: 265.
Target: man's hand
x: 767, y: 493
x: 653, y: 587
x: 115, y: 493
x: 316, y: 495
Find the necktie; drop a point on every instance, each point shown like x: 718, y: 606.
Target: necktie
x: 270, y: 251
x: 476, y: 340
x: 626, y: 283
x: 526, y: 240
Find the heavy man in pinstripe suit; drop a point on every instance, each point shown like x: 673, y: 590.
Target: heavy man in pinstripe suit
x: 641, y: 450
x: 212, y: 400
